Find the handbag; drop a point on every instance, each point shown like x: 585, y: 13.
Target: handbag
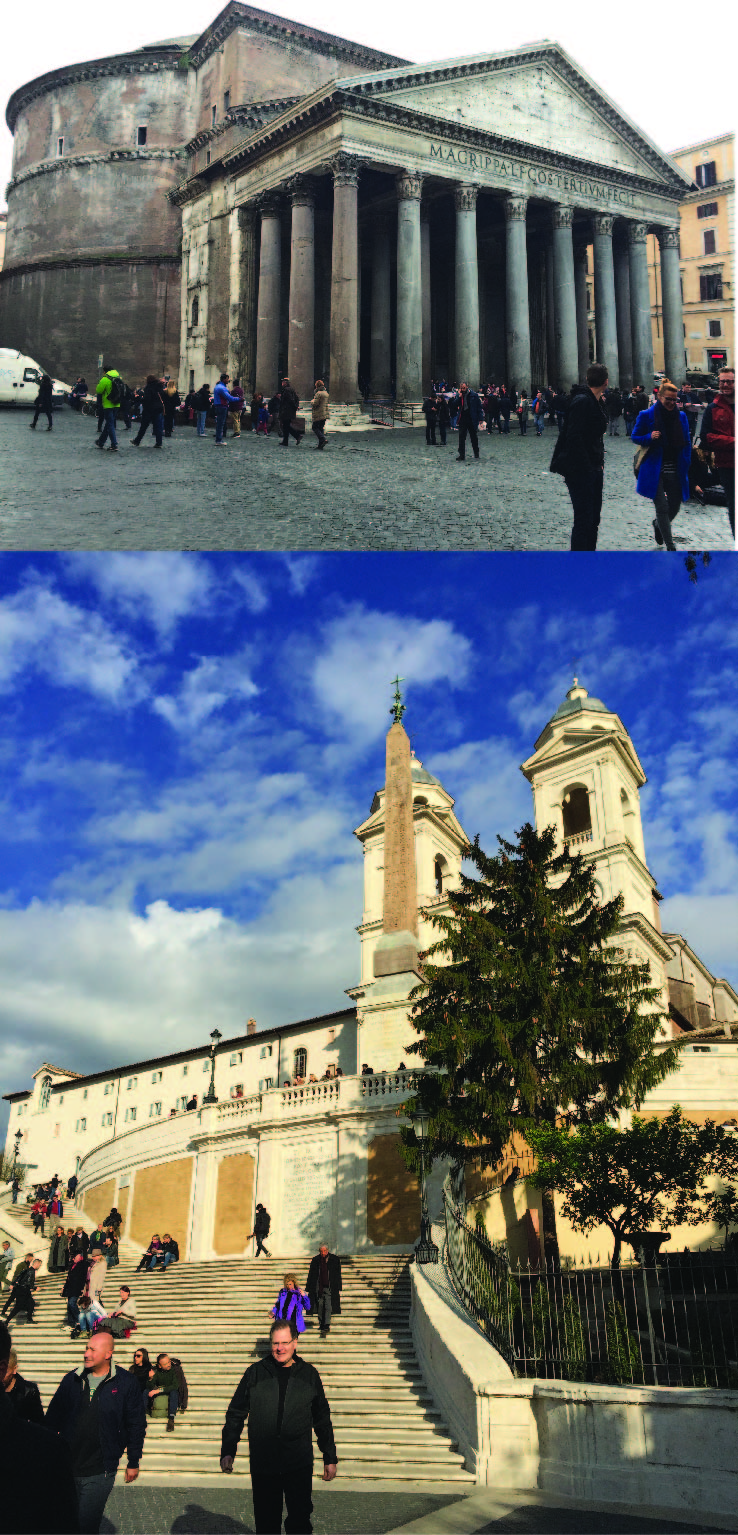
x: 640, y: 455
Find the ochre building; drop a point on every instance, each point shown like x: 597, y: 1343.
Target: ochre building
x: 707, y: 258
x: 266, y: 197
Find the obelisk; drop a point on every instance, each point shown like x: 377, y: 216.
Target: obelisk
x: 397, y: 950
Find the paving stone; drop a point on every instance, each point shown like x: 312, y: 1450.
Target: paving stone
x: 369, y: 490
x: 141, y: 1510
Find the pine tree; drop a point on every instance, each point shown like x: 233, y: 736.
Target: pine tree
x: 528, y: 1012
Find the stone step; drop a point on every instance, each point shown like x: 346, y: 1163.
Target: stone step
x: 373, y: 1469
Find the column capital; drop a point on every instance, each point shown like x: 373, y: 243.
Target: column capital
x: 409, y: 186
x: 668, y: 237
x: 515, y: 208
x: 603, y: 223
x: 269, y: 204
x: 563, y: 218
x: 346, y: 170
x: 465, y: 197
x: 637, y: 233
x: 302, y: 191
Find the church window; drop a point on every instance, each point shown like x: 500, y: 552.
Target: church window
x: 59, y: 149
x: 576, y: 813
x: 300, y: 1067
x: 440, y: 874
x: 141, y: 135
x: 45, y: 1093
x: 195, y: 310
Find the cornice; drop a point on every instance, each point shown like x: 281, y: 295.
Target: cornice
x: 282, y: 30
x: 68, y: 263
x: 153, y: 61
x: 708, y: 194
x: 250, y: 114
x: 352, y: 103
x: 52, y: 167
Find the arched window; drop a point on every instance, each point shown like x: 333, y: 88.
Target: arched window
x: 626, y: 805
x: 300, y: 1066
x: 45, y: 1093
x: 440, y: 874
x: 575, y: 808
x: 196, y: 310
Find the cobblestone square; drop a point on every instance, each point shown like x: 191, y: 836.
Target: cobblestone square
x: 382, y: 489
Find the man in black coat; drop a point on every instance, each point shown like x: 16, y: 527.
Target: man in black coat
x: 579, y: 456
x: 38, y: 1495
x: 99, y: 1412
x: 283, y: 1398
x: 289, y: 405
x: 262, y: 1222
x: 43, y: 402
x: 324, y: 1286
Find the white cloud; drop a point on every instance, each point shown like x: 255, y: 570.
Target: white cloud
x: 70, y: 645
x: 362, y: 652
x: 214, y: 682
x: 254, y: 590
x: 162, y: 589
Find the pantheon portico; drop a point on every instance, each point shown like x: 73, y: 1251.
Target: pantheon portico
x: 426, y: 221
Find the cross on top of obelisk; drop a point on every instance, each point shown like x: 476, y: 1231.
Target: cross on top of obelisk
x: 398, y: 707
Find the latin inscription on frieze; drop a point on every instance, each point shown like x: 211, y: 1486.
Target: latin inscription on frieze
x: 527, y: 177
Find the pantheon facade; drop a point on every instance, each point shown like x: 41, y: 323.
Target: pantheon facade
x: 269, y: 198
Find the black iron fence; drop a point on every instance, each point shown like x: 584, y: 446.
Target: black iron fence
x: 389, y: 413
x: 672, y: 1322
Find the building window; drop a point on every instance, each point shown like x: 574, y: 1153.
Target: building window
x: 716, y: 328
x: 213, y: 115
x: 226, y: 100
x: 706, y: 174
x: 81, y: 1125
x: 207, y: 156
x: 237, y: 1090
x: 154, y: 1110
x: 711, y: 286
x: 141, y: 135
x: 265, y: 1084
x: 130, y: 1115
x: 192, y: 380
x: 185, y: 1071
x: 59, y: 148
x: 299, y: 1068
x: 109, y: 1088
x: 707, y: 211
x: 84, y: 1092
x: 131, y: 1083
x: 156, y: 1076
x: 206, y: 1065
x: 709, y: 242
x: 107, y: 1120
x: 576, y: 812
x: 236, y: 1058
x: 60, y: 1100
x: 440, y: 874
x: 45, y: 1093
x: 195, y: 321
x: 57, y: 1128
x: 265, y: 1052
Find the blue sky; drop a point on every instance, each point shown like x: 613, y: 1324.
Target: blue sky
x: 188, y: 742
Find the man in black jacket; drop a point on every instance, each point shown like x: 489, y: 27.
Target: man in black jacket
x: 289, y: 405
x: 22, y: 1293
x: 580, y: 456
x: 283, y: 1398
x: 99, y: 1411
x: 262, y: 1222
x: 38, y: 1495
x: 324, y: 1286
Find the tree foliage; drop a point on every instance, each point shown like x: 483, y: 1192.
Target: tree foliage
x: 653, y: 1173
x: 528, y: 1011
x: 723, y: 1210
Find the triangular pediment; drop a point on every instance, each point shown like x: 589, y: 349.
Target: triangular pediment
x: 536, y: 96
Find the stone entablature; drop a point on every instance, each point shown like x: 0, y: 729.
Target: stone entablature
x: 71, y: 162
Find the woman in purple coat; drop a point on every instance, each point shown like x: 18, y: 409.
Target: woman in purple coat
x: 292, y: 1303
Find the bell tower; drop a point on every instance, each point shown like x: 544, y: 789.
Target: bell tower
x: 586, y: 780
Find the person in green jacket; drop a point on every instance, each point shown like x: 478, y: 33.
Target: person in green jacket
x: 109, y: 396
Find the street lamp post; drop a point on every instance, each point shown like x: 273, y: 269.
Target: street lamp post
x: 425, y: 1250
x: 18, y: 1138
x: 210, y: 1097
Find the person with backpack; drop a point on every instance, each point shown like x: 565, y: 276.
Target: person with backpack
x: 262, y: 1222
x: 110, y: 391
x: 579, y: 455
x: 43, y: 403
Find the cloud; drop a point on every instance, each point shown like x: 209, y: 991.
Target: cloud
x: 363, y: 650
x: 161, y: 589
x: 70, y: 645
x: 254, y: 590
x: 214, y: 682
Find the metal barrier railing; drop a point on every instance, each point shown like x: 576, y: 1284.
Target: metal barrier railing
x: 671, y: 1322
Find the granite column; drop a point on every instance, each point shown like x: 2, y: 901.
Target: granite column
x: 671, y: 305
x: 581, y: 262
x: 467, y: 286
x: 381, y: 368
x: 409, y: 383
x: 640, y: 306
x: 622, y: 312
x: 270, y: 280
x: 301, y: 353
x: 344, y: 379
x: 517, y: 319
x: 565, y: 309
x: 604, y: 285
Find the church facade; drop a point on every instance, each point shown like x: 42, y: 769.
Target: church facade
x: 304, y: 1117
x: 288, y: 201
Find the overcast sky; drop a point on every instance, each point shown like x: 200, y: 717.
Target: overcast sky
x: 644, y: 60
x: 188, y: 741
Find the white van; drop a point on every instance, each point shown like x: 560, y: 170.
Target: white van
x: 20, y: 377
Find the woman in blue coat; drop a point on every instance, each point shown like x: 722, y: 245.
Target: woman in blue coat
x: 663, y: 475
x: 292, y: 1302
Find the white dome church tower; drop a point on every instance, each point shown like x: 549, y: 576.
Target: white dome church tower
x: 586, y: 779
